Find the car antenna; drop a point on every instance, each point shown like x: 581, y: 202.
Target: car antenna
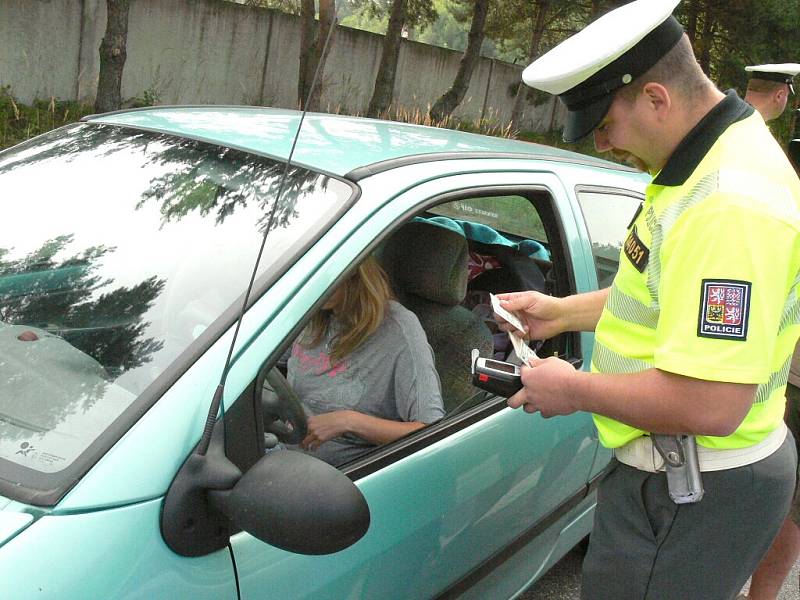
x: 216, y: 402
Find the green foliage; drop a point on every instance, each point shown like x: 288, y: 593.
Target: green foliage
x: 19, y: 122
x: 727, y: 35
x: 448, y: 30
x: 451, y: 27
x: 445, y: 31
x: 782, y: 127
x: 365, y: 16
x: 287, y: 6
x: 511, y: 23
x: 373, y: 15
x: 150, y: 97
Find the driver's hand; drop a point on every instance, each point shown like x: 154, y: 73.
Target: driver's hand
x: 324, y: 427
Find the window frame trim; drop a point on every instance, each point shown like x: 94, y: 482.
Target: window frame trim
x: 387, y: 454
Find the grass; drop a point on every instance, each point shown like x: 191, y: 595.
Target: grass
x: 19, y: 122
x: 553, y: 138
x: 490, y: 125
x: 486, y: 126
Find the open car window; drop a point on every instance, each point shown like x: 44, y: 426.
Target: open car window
x: 442, y: 268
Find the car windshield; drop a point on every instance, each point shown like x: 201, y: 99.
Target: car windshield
x: 119, y: 248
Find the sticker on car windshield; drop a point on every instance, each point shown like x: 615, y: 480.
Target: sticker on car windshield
x: 724, y: 309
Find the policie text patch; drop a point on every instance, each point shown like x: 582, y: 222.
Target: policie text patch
x: 724, y: 309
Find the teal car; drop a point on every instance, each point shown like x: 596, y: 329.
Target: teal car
x: 129, y: 242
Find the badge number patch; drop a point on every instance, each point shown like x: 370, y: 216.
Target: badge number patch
x: 636, y: 251
x: 724, y: 309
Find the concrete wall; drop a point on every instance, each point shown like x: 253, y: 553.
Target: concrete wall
x: 39, y: 61
x: 215, y: 52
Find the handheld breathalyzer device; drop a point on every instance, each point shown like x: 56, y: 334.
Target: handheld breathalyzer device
x: 495, y: 376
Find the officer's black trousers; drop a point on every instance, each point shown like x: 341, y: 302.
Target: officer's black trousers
x: 644, y: 546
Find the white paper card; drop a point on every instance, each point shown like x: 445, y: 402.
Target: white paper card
x: 508, y: 316
x: 522, y: 350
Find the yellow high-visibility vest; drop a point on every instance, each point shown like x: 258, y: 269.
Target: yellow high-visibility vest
x: 708, y: 281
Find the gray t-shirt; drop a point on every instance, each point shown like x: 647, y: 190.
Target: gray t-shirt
x: 391, y: 376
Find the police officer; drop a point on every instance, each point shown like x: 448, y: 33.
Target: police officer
x: 769, y: 87
x: 768, y: 91
x: 695, y: 334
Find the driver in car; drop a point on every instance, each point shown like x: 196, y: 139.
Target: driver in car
x: 363, y: 370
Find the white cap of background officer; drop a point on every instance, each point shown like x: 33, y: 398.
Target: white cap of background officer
x: 769, y: 87
x: 587, y: 69
x: 783, y: 73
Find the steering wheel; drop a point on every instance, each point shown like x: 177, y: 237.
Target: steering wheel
x: 282, y: 411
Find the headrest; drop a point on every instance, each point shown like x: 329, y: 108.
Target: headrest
x: 428, y: 261
x: 483, y: 234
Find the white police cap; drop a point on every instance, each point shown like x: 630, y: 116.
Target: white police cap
x: 783, y: 72
x: 586, y: 69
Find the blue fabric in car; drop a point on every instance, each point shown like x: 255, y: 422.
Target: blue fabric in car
x: 478, y: 232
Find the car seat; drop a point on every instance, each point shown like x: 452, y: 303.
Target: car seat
x: 427, y: 266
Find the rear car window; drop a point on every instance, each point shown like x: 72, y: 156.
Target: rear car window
x: 607, y: 214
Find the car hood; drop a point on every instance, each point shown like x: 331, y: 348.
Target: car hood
x: 12, y: 519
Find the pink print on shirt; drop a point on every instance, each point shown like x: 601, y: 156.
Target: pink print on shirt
x: 317, y: 364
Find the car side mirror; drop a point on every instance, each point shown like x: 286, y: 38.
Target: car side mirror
x: 288, y: 499
x: 297, y: 503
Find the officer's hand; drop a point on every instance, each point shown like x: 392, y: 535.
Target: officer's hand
x: 540, y: 314
x: 546, y: 388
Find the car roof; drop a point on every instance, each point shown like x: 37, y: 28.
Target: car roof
x: 351, y: 147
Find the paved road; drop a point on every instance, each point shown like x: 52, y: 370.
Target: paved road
x: 563, y: 582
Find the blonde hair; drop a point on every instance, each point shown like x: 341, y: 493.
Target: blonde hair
x: 360, y: 310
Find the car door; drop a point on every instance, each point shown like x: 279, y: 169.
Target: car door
x: 484, y: 491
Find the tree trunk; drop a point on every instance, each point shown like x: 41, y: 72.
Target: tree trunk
x: 706, y: 42
x: 387, y: 71
x: 522, y: 91
x: 445, y: 105
x: 327, y: 12
x: 308, y: 51
x: 112, y: 57
x: 692, y: 13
